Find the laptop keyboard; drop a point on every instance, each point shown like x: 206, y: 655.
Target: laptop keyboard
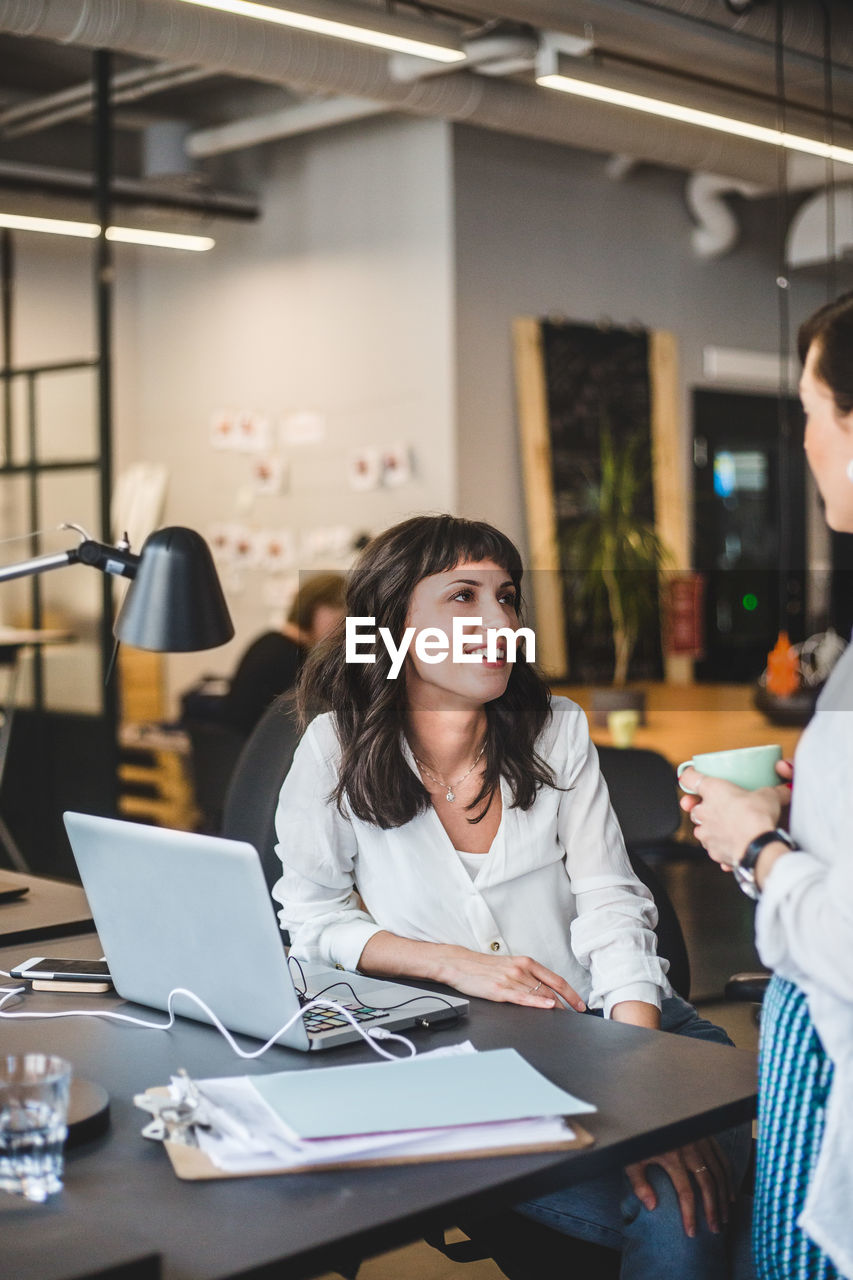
x: 317, y: 1020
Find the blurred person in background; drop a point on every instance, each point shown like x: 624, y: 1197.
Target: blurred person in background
x: 272, y: 662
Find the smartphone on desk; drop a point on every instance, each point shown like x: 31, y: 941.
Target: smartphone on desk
x: 48, y: 973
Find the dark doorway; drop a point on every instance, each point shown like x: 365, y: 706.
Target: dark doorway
x: 737, y: 530
x: 841, y: 588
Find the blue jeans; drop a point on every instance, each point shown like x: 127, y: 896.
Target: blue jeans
x: 606, y: 1211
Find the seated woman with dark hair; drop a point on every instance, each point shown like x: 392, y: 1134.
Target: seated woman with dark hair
x: 468, y: 806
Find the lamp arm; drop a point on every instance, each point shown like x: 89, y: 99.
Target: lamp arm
x: 115, y: 560
x: 38, y: 564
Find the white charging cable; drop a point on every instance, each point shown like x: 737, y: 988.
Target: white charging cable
x: 370, y: 1035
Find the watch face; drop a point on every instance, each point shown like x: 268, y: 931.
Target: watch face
x: 746, y: 881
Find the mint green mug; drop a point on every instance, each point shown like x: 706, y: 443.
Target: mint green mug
x: 747, y: 767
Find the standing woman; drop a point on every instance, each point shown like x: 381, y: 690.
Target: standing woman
x: 803, y: 1223
x: 450, y: 822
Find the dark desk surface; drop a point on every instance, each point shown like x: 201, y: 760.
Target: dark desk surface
x: 653, y: 1091
x: 50, y: 909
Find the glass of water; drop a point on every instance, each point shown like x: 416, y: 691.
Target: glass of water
x: 33, y: 1112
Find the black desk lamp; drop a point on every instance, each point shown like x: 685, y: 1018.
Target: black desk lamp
x: 174, y: 603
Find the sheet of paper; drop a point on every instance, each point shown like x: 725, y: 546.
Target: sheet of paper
x: 416, y: 1093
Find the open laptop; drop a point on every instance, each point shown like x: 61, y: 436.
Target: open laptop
x: 176, y: 909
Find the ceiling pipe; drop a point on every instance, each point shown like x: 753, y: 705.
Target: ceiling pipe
x: 488, y: 53
x: 303, y: 117
x: 637, y: 26
x: 144, y: 88
x: 78, y: 101
x: 310, y: 64
x: 803, y: 32
x: 76, y: 185
x: 76, y: 94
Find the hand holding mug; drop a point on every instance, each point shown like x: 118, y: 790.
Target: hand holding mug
x: 727, y: 815
x: 747, y: 767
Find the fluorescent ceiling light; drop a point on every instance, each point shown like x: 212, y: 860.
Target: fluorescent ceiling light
x: 690, y: 115
x: 91, y: 230
x: 159, y: 239
x: 347, y: 22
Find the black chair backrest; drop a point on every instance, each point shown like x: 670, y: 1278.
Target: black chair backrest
x: 671, y: 944
x: 252, y: 797
x: 214, y: 752
x: 644, y: 793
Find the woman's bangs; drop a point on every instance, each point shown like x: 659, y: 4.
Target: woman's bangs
x: 469, y: 540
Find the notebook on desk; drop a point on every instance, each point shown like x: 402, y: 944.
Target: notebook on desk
x: 176, y: 909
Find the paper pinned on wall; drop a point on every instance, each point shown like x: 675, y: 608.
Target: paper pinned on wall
x: 252, y: 432
x: 223, y: 430
x: 305, y: 427
x: 221, y: 538
x: 269, y: 473
x: 312, y: 543
x: 245, y: 549
x: 364, y: 469
x: 277, y: 550
x: 341, y: 539
x: 396, y: 465
x: 278, y: 594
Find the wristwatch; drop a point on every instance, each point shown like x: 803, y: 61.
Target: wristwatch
x: 744, y: 872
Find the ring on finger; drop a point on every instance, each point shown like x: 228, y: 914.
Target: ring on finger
x: 533, y: 990
x: 703, y: 1168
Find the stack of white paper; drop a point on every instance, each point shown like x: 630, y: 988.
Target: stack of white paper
x: 419, y: 1108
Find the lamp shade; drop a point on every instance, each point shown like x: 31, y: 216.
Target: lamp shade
x: 175, y: 603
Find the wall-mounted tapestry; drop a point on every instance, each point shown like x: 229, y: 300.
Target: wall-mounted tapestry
x: 604, y: 493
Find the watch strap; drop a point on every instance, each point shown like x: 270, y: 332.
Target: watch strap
x: 754, y: 848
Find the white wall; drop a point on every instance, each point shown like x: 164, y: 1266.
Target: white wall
x: 339, y: 301
x: 542, y: 231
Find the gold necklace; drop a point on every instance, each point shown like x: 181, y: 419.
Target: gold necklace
x: 451, y: 794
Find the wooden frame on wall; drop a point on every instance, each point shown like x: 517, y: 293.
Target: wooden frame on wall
x: 668, y: 483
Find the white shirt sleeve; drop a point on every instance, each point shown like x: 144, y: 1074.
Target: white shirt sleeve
x: 613, y: 933
x: 804, y: 924
x: 317, y: 847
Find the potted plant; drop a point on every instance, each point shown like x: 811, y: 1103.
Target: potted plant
x: 616, y: 553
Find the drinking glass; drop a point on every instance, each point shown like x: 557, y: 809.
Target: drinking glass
x: 33, y: 1112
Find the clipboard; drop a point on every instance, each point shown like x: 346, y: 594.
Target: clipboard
x: 191, y: 1164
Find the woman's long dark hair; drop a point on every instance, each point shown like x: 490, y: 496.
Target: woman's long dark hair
x: 370, y: 710
x: 831, y: 328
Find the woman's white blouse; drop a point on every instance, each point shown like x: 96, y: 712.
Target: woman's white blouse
x: 555, y: 885
x: 805, y: 933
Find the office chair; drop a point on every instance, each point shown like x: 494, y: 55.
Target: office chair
x: 644, y: 794
x: 260, y: 770
x: 214, y: 751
